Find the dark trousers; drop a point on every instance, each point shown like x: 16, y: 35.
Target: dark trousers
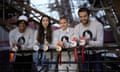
x: 92, y: 67
x: 23, y: 64
x: 4, y: 61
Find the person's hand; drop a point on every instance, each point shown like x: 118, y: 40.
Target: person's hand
x: 15, y: 48
x: 73, y: 43
x: 82, y: 40
x: 60, y: 43
x: 74, y: 39
x: 58, y: 48
x: 35, y: 47
x: 45, y: 48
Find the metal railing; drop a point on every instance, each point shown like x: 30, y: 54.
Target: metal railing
x: 109, y: 62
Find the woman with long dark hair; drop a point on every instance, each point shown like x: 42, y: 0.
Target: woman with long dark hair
x: 44, y: 31
x: 43, y: 39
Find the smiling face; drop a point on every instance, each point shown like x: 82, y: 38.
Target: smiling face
x: 45, y: 22
x: 22, y: 26
x: 63, y: 23
x: 84, y: 17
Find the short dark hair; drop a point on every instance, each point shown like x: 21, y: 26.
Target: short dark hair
x: 18, y: 22
x: 83, y: 9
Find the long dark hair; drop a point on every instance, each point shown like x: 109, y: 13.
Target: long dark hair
x: 41, y: 35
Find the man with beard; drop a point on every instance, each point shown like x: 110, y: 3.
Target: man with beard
x: 92, y: 33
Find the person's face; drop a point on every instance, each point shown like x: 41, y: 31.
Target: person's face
x: 22, y: 25
x: 84, y: 18
x: 45, y: 22
x: 63, y: 24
